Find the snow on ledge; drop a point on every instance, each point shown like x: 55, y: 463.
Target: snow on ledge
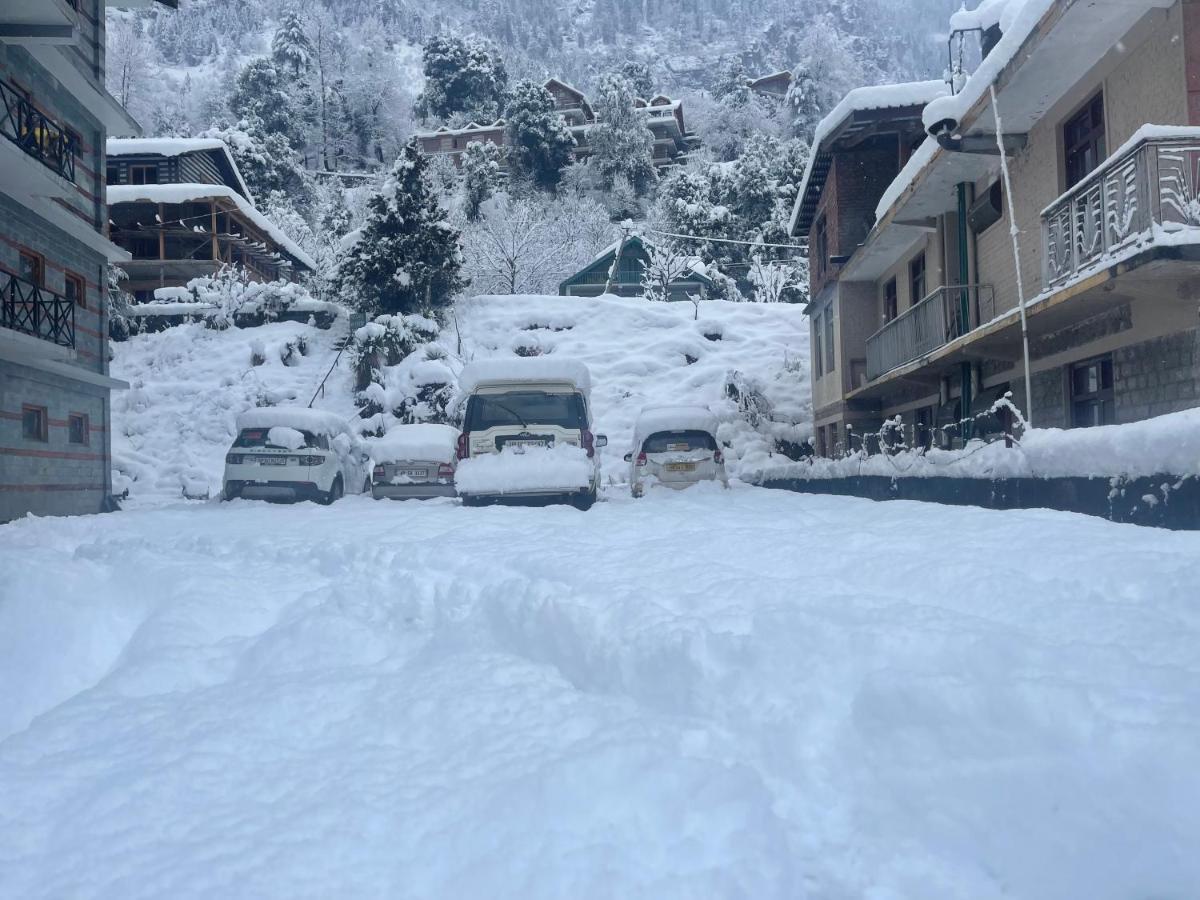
x: 921, y: 157
x: 421, y: 441
x: 1166, y: 445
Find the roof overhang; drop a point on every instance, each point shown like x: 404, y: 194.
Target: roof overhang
x: 90, y: 91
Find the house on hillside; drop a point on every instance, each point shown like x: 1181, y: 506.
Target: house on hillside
x: 180, y: 207
x: 772, y: 87
x: 591, y: 280
x: 664, y: 118
x: 919, y: 315
x: 55, y: 414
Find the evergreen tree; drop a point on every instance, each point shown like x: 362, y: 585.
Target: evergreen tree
x: 290, y: 48
x: 406, y: 258
x: 540, y: 140
x: 638, y: 74
x: 733, y: 84
x: 261, y: 93
x: 804, y: 100
x: 268, y: 163
x: 482, y: 170
x: 461, y: 76
x: 622, y: 145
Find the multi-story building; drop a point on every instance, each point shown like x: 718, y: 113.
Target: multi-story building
x: 916, y: 302
x: 664, y: 118
x: 181, y: 208
x: 54, y: 249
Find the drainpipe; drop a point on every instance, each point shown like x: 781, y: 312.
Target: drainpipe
x: 964, y: 307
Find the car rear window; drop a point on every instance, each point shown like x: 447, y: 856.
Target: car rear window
x: 678, y: 442
x: 526, y: 408
x: 257, y: 437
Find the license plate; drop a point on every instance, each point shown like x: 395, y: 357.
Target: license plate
x: 272, y: 460
x: 413, y: 473
x: 681, y: 467
x: 524, y: 444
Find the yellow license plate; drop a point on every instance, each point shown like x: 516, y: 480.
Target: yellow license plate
x: 681, y: 467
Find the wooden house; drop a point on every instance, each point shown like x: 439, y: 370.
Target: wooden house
x: 591, y: 280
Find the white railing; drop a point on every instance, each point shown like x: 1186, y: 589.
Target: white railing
x: 945, y: 314
x: 1156, y: 181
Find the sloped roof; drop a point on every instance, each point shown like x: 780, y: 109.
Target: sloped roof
x: 695, y: 264
x: 176, y: 146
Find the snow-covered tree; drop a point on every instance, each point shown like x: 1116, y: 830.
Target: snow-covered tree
x: 540, y: 141
x: 261, y: 93
x: 772, y: 280
x: 482, y: 174
x: 512, y: 248
x: 638, y: 75
x: 267, y: 162
x: 291, y: 48
x: 462, y: 76
x: 622, y: 145
x: 406, y: 256
x: 733, y: 84
x: 666, y: 262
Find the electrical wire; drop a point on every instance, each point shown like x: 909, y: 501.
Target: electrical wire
x: 697, y: 237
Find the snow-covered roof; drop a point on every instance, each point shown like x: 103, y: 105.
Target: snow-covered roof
x: 312, y: 420
x: 695, y: 263
x: 469, y: 128
x: 422, y: 441
x: 175, y: 147
x: 654, y: 419
x: 187, y: 192
x: 863, y: 99
x: 525, y: 369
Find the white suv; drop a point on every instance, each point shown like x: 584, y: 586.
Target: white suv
x: 527, y: 433
x: 293, y: 453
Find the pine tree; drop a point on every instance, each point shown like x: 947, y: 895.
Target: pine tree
x: 540, y: 140
x: 638, y: 74
x: 733, y: 84
x: 290, y: 48
x: 461, y: 76
x: 266, y: 161
x: 406, y: 258
x: 622, y: 145
x: 260, y: 93
x: 482, y: 170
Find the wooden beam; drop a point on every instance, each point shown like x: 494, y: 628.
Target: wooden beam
x: 162, y: 239
x: 216, y: 250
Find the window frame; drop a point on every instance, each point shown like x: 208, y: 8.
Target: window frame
x: 43, y: 430
x: 1103, y: 397
x: 891, y: 301
x: 817, y: 354
x: 24, y: 253
x: 917, y: 279
x: 85, y: 429
x: 1093, y: 138
x: 80, y: 283
x: 821, y: 242
x: 134, y: 168
x: 830, y: 343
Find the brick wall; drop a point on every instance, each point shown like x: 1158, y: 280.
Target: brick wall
x: 1157, y: 376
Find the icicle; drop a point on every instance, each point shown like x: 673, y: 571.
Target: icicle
x: 1013, y: 232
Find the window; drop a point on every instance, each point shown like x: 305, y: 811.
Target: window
x: 889, y: 301
x: 1092, y: 396
x: 34, y: 422
x: 33, y: 268
x: 75, y: 141
x: 77, y: 429
x: 75, y: 289
x: 143, y: 174
x: 821, y: 243
x: 916, y: 280
x: 678, y: 442
x: 1083, y: 141
x: 830, y: 358
x: 529, y: 409
x: 818, y: 362
x: 112, y: 174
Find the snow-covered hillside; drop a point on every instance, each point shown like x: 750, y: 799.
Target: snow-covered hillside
x: 172, y: 429
x: 721, y: 694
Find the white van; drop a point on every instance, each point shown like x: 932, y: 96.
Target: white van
x: 527, y: 433
x: 294, y: 453
x: 675, y: 447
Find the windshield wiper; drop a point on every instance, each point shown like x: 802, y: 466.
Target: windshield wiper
x: 513, y: 413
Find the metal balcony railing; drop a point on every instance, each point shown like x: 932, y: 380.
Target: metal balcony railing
x: 35, y: 133
x: 32, y: 310
x: 1154, y: 183
x: 943, y: 315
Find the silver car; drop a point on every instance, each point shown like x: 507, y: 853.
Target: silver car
x: 414, y: 462
x: 675, y: 447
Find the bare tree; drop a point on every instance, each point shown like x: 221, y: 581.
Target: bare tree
x: 666, y: 263
x: 771, y: 279
x: 513, y: 247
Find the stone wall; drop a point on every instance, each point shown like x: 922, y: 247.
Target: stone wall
x: 1157, y: 376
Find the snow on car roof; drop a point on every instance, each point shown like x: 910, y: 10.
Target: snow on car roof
x: 422, y: 441
x: 301, y: 417
x: 522, y: 369
x: 653, y: 419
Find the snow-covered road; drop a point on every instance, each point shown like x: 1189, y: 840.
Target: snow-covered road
x: 745, y: 694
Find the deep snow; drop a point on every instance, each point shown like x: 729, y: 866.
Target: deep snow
x: 740, y: 693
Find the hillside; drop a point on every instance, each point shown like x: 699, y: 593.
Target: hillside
x: 172, y: 429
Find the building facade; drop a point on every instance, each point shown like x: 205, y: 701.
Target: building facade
x: 181, y: 209
x: 624, y: 279
x: 920, y: 317
x: 55, y: 440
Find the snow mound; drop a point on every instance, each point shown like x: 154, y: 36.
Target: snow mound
x: 517, y: 369
x: 558, y: 468
x: 314, y: 420
x: 673, y: 418
x: 421, y: 441
x: 288, y: 438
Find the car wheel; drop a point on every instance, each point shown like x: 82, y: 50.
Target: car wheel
x: 227, y: 493
x: 367, y: 486
x: 583, y: 501
x: 334, y: 493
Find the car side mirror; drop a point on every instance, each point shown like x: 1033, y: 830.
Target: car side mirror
x: 602, y: 440
x: 628, y: 457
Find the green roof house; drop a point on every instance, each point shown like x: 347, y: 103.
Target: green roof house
x: 627, y: 278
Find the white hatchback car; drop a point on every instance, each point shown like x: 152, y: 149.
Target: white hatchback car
x: 294, y: 453
x: 527, y: 433
x: 675, y: 447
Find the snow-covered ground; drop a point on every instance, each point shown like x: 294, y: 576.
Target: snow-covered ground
x: 715, y: 694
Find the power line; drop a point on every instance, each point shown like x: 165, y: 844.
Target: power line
x: 697, y: 237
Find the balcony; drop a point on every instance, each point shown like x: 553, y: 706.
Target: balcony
x: 29, y: 309
x: 35, y: 134
x: 1146, y: 193
x: 947, y: 313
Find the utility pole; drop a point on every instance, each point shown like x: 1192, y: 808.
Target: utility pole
x: 617, y: 259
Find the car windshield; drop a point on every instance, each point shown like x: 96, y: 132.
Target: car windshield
x: 678, y: 442
x: 257, y: 437
x: 525, y: 408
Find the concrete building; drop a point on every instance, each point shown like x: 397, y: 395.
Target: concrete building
x: 915, y: 301
x: 181, y: 208
x: 54, y: 384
